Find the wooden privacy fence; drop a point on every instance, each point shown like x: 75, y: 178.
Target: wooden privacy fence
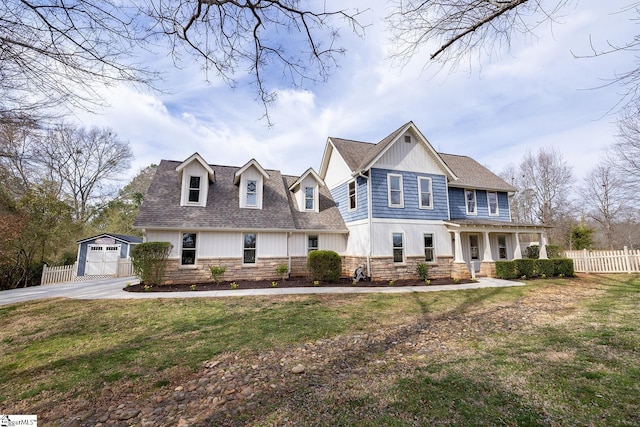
x: 624, y: 261
x: 67, y: 273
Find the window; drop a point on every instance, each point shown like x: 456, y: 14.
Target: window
x: 312, y: 244
x: 426, y: 197
x: 194, y: 189
x: 492, y: 200
x: 502, y: 246
x: 352, y: 196
x: 249, y: 254
x: 428, y: 248
x: 252, y: 193
x: 470, y: 197
x: 398, y: 247
x: 308, y: 198
x: 395, y: 190
x: 407, y: 138
x: 188, y: 256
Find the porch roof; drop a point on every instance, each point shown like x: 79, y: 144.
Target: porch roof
x: 489, y: 225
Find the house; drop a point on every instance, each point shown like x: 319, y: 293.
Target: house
x: 99, y: 255
x: 248, y: 219
x: 388, y: 206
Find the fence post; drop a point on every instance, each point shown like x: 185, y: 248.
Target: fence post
x: 44, y: 271
x: 586, y: 261
x: 627, y: 261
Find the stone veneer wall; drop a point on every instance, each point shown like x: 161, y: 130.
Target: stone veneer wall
x: 386, y: 269
x: 265, y: 269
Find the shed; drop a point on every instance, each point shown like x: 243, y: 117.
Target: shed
x: 99, y: 255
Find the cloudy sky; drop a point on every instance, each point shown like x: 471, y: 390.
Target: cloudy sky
x: 537, y: 95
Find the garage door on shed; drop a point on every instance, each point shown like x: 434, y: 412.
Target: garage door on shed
x: 102, y: 260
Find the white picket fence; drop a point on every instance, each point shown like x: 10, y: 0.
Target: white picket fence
x: 624, y: 261
x: 67, y: 273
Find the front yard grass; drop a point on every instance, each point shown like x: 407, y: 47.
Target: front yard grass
x: 556, y: 352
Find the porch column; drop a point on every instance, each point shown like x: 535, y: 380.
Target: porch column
x: 543, y: 247
x: 487, y: 257
x: 458, y: 257
x: 517, y: 252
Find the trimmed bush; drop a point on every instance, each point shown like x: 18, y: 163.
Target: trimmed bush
x: 546, y: 267
x: 150, y: 261
x: 563, y: 266
x: 506, y: 270
x: 533, y: 252
x: 324, y: 265
x: 525, y: 267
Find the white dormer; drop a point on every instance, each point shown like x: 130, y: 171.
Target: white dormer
x: 306, y: 191
x: 196, y: 175
x: 250, y: 179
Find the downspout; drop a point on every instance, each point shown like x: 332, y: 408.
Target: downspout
x: 369, y: 215
x: 289, y: 234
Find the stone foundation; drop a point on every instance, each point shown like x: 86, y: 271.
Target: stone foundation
x: 488, y: 269
x: 386, y: 269
x: 264, y: 269
x: 460, y: 270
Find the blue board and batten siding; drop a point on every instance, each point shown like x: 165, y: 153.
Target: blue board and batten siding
x: 341, y: 199
x: 459, y: 211
x: 411, y: 209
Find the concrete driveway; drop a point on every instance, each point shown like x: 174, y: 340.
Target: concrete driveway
x: 112, y: 289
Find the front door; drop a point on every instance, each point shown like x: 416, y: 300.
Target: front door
x: 474, y: 251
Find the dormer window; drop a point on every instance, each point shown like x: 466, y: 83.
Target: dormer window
x: 309, y: 198
x: 252, y: 188
x: 194, y: 189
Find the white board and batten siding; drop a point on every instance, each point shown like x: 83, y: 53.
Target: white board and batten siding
x: 413, y: 240
x: 223, y: 244
x: 194, y: 169
x: 337, y: 171
x: 411, y: 156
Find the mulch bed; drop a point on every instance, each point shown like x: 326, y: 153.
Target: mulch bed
x: 294, y: 282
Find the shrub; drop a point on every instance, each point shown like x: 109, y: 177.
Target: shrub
x: 150, y: 261
x: 546, y: 267
x: 282, y: 270
x: 217, y: 272
x: 563, y: 267
x: 525, y: 267
x: 533, y: 252
x: 506, y: 270
x: 324, y: 265
x: 423, y: 270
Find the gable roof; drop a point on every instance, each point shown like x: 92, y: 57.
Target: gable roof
x: 361, y: 156
x: 254, y: 163
x: 308, y: 172
x: 464, y: 171
x: 121, y: 237
x: 161, y: 205
x: 198, y: 158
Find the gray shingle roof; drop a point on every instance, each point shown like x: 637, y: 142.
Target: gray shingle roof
x: 328, y: 217
x: 470, y: 173
x: 161, y: 206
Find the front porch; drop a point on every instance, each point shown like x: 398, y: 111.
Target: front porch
x: 478, y: 244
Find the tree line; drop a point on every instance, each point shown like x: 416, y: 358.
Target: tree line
x: 60, y: 182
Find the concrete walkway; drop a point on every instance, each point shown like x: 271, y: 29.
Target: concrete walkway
x: 112, y: 289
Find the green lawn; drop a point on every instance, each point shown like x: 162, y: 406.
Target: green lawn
x: 556, y: 352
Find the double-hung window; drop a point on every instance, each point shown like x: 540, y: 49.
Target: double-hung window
x: 188, y: 255
x: 492, y: 201
x: 249, y: 250
x: 470, y: 199
x: 502, y: 246
x: 352, y: 195
x: 398, y: 247
x: 395, y: 196
x: 312, y: 244
x: 426, y: 196
x: 429, y: 255
x: 308, y: 198
x: 252, y: 193
x: 194, y: 189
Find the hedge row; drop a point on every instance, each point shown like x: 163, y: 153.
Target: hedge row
x: 529, y: 268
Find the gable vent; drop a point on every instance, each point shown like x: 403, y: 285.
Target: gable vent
x: 407, y: 138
